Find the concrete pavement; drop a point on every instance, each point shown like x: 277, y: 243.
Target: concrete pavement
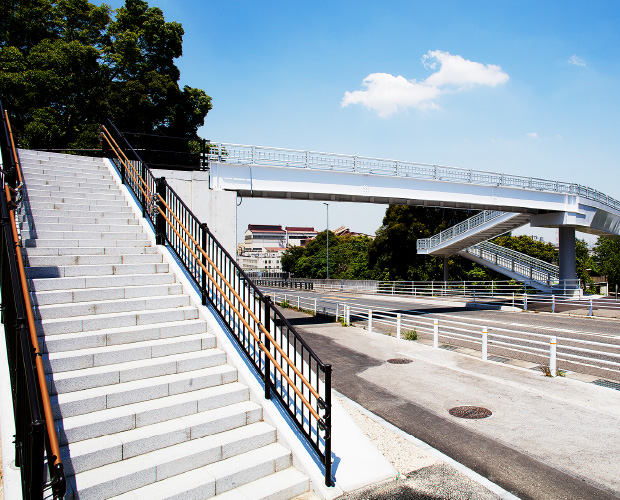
x: 547, y: 438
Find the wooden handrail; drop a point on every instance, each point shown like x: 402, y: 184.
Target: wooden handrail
x: 228, y: 285
x: 47, y: 407
x: 15, y: 157
x: 250, y: 312
x: 128, y: 164
x: 283, y: 354
x: 251, y: 330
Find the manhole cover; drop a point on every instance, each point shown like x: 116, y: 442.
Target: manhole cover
x: 399, y: 361
x: 470, y: 412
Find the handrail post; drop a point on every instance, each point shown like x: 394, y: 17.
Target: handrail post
x: 436, y: 333
x: 267, y: 323
x: 485, y: 341
x: 203, y: 242
x: 553, y: 355
x: 160, y: 224
x: 328, y: 425
x: 145, y: 200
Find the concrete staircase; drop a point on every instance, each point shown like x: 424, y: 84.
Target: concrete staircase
x: 145, y: 403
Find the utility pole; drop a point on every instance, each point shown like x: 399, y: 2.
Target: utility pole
x: 327, y: 237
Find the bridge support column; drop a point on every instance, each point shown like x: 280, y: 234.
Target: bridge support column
x: 568, y: 270
x: 445, y: 268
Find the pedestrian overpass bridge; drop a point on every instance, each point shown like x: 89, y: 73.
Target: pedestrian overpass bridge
x: 265, y: 172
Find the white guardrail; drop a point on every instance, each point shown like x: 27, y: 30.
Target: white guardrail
x: 530, y: 267
x: 260, y: 155
x: 458, y: 229
x: 551, y: 351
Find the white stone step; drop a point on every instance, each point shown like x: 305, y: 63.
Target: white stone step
x: 76, y: 403
x: 283, y: 485
x: 113, y: 320
x: 72, y: 184
x: 74, y: 360
x: 94, y: 270
x: 98, y: 307
x: 133, y: 415
x: 87, y: 378
x: 61, y: 203
x: 104, y: 232
x: 50, y: 242
x: 84, y: 219
x: 116, y: 336
x: 89, y: 260
x: 69, y: 213
x: 35, y: 196
x: 47, y: 284
x: 77, y: 190
x: 54, y: 165
x: 89, y: 454
x: 236, y: 457
x: 94, y: 250
x: 108, y: 293
x: 94, y: 179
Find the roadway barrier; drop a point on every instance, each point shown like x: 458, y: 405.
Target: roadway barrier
x: 554, y: 353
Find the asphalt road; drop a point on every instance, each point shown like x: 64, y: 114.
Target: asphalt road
x: 547, y: 438
x: 515, y: 324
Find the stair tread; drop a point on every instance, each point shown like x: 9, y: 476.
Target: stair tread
x: 91, y: 453
x: 227, y: 472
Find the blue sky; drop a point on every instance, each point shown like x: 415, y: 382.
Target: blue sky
x: 523, y: 87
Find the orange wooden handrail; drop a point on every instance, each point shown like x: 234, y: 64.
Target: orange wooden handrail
x: 15, y: 157
x: 131, y: 169
x: 251, y: 330
x: 45, y: 398
x: 250, y: 312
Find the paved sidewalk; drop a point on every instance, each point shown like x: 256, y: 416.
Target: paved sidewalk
x: 547, y: 438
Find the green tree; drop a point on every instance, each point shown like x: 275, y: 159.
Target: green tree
x: 529, y: 246
x: 348, y: 257
x: 393, y: 254
x: 607, y: 259
x: 66, y: 65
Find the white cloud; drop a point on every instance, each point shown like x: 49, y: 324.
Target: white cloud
x: 576, y: 60
x: 386, y: 94
x: 460, y: 72
x: 532, y: 135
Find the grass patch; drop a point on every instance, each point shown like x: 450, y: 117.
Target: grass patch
x: 410, y: 335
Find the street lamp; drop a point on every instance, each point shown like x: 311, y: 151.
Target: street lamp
x: 327, y: 237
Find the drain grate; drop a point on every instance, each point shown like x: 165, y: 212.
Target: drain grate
x: 607, y: 383
x: 498, y: 359
x: 470, y: 412
x: 448, y: 347
x: 399, y: 361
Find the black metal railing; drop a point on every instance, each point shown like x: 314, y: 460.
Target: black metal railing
x: 172, y: 153
x: 35, y: 435
x: 290, y: 370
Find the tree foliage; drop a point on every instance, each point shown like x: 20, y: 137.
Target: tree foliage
x: 393, y: 254
x: 348, y: 257
x: 607, y: 259
x: 66, y: 65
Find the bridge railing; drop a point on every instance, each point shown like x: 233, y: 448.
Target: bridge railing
x: 530, y: 267
x: 458, y: 229
x: 289, y: 368
x: 565, y: 352
x: 281, y: 157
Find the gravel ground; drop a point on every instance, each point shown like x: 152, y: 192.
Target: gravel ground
x: 421, y: 476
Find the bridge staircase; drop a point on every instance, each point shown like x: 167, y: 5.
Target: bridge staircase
x: 146, y: 404
x: 468, y: 239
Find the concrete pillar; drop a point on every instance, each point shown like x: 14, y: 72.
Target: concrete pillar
x: 215, y: 207
x: 445, y: 268
x: 567, y: 254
